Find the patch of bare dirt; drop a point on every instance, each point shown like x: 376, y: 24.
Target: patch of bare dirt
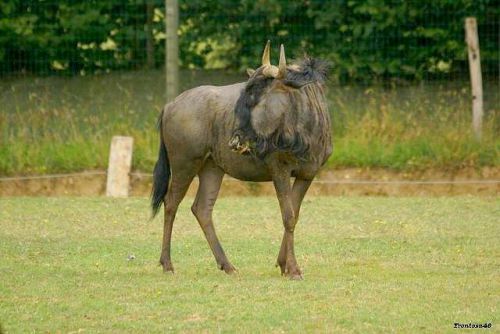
x: 343, y: 182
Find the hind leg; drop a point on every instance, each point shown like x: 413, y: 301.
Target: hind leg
x: 210, y: 181
x: 176, y: 192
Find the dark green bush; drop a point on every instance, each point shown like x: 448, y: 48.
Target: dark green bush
x: 365, y: 39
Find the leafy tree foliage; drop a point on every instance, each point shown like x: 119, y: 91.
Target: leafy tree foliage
x: 364, y: 39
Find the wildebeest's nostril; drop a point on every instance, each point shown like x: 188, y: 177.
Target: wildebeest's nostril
x: 234, y: 142
x: 238, y: 147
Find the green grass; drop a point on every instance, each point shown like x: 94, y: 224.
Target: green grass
x: 401, y: 265
x: 59, y: 124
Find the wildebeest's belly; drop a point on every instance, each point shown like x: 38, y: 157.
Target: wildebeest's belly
x: 242, y: 167
x: 249, y: 168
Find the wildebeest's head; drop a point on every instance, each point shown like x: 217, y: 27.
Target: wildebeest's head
x: 280, y: 106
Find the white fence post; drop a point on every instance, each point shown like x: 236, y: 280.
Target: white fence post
x: 476, y: 80
x: 120, y: 162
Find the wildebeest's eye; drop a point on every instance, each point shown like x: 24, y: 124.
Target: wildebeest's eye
x: 251, y: 99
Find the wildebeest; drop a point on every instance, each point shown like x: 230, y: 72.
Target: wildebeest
x: 274, y: 127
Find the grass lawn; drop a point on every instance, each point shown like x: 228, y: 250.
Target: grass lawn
x: 371, y: 265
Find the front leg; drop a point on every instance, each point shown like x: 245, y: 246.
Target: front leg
x: 299, y: 190
x: 281, y: 180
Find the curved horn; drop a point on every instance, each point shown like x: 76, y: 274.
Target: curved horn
x: 282, y: 64
x: 266, y: 59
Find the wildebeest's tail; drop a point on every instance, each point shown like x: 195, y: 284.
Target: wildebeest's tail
x: 161, y: 174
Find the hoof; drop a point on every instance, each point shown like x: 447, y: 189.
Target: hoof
x: 167, y: 267
x: 228, y: 268
x: 296, y: 277
x: 294, y: 274
x: 282, y: 267
x: 168, y: 271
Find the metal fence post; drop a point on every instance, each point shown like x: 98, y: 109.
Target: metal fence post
x: 472, y: 40
x: 172, y: 49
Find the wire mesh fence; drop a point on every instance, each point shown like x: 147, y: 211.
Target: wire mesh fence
x: 365, y: 40
x: 76, y: 72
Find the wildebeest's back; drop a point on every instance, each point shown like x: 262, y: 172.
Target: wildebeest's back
x: 187, y: 122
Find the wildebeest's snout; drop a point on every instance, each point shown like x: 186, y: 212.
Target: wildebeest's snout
x: 234, y: 141
x: 236, y: 145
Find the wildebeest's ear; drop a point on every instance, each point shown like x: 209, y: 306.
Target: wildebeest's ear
x: 250, y: 72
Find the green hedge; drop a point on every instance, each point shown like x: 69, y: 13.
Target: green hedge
x: 365, y: 39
